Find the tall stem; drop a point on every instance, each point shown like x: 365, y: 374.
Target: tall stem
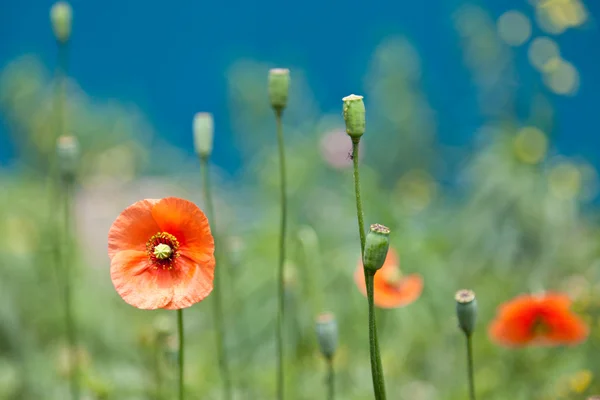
x: 181, y: 344
x: 330, y: 379
x: 280, y: 294
x: 470, y: 367
x: 376, y: 367
x: 359, y: 208
x: 68, y: 303
x: 217, y: 292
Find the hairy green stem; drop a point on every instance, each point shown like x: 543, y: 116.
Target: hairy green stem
x: 470, y: 367
x: 330, y: 379
x: 181, y: 359
x: 376, y: 368
x: 359, y: 208
x: 280, y: 293
x: 67, y: 271
x: 217, y: 292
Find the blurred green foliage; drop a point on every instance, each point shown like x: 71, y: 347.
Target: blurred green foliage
x: 516, y: 217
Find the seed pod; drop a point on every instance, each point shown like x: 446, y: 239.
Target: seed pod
x: 377, y: 244
x: 61, y: 16
x: 354, y: 116
x: 67, y: 150
x: 203, y: 134
x: 327, y: 334
x: 466, y: 310
x: 279, y: 86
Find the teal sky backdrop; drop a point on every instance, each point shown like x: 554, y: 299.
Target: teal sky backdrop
x: 171, y: 58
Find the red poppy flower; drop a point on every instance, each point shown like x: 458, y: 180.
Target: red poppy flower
x: 390, y: 288
x: 537, y: 320
x: 161, y: 254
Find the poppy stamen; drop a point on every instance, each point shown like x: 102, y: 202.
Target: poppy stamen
x: 162, y: 250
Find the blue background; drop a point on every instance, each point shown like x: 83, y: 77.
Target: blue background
x: 171, y: 58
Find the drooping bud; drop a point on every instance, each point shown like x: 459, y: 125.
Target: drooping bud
x: 377, y: 244
x: 279, y: 86
x: 61, y: 16
x: 466, y: 310
x: 327, y: 334
x: 67, y: 150
x: 354, y: 116
x: 203, y: 133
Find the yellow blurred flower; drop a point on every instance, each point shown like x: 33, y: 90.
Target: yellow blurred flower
x: 530, y: 145
x: 555, y: 16
x: 580, y: 381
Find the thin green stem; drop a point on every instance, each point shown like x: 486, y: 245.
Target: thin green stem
x: 280, y: 294
x: 359, y: 208
x: 181, y: 359
x: 67, y: 267
x: 376, y: 367
x: 470, y: 367
x: 330, y: 379
x: 217, y: 292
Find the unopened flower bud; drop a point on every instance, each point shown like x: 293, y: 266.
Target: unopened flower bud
x: 327, y: 334
x: 203, y: 134
x: 466, y: 310
x: 377, y: 244
x: 279, y: 86
x: 67, y: 150
x: 61, y: 16
x: 354, y: 115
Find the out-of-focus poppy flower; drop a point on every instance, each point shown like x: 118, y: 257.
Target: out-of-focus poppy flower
x: 391, y: 289
x: 161, y: 254
x: 537, y: 320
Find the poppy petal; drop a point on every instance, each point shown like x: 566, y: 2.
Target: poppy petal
x: 138, y: 282
x: 184, y: 220
x: 406, y: 291
x: 132, y: 229
x: 191, y: 283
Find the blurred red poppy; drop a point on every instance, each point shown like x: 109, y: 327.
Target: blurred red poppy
x: 544, y: 320
x: 391, y: 288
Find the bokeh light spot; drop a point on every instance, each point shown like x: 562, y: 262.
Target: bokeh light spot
x: 565, y: 181
x: 514, y: 27
x: 543, y: 50
x: 530, y: 145
x: 561, y: 77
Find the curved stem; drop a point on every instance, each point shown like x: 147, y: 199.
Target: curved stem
x: 69, y: 319
x: 330, y: 379
x: 280, y: 293
x: 470, y: 368
x: 181, y: 344
x: 376, y: 367
x: 217, y: 292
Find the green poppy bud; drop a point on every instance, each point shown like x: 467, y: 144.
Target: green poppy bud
x: 327, y: 334
x: 354, y: 116
x: 61, y: 16
x: 377, y: 244
x: 203, y: 134
x: 466, y: 310
x: 67, y: 150
x: 279, y: 86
